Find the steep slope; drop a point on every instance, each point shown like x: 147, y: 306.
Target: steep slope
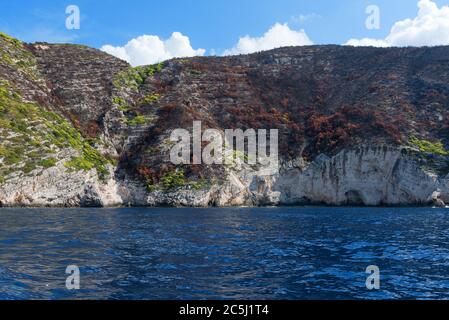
x: 44, y: 158
x: 356, y: 126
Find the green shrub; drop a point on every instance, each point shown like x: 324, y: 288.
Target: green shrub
x: 48, y: 163
x: 29, y: 166
x: 151, y: 187
x: 429, y: 147
x: 38, y: 133
x: 137, y: 121
x: 150, y: 99
x: 197, y: 185
x: 173, y: 179
x: 195, y: 73
x: 135, y: 77
x: 12, y: 158
x: 121, y: 104
x: 118, y: 101
x: 79, y: 163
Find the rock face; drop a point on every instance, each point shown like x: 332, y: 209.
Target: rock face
x: 371, y: 176
x: 59, y: 188
x: 365, y: 176
x: 357, y: 126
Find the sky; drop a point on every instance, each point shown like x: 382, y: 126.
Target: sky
x: 149, y: 31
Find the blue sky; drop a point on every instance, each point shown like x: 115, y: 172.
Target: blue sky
x: 209, y: 24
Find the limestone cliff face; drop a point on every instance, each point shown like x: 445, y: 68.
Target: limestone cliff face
x: 58, y: 187
x: 357, y: 126
x: 371, y: 176
x: 367, y: 176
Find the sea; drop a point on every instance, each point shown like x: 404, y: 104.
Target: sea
x: 284, y: 253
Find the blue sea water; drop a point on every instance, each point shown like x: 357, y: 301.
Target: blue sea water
x: 238, y: 253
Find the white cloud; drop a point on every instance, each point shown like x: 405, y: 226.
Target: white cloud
x: 279, y: 35
x: 429, y: 28
x: 149, y: 49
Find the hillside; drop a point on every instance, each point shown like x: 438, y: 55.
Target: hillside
x: 356, y: 126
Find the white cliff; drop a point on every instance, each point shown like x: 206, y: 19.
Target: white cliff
x: 370, y: 176
x: 60, y: 187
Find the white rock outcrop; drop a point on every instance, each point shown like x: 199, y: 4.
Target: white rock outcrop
x: 60, y: 187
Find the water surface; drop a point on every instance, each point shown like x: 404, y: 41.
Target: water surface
x: 239, y: 253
